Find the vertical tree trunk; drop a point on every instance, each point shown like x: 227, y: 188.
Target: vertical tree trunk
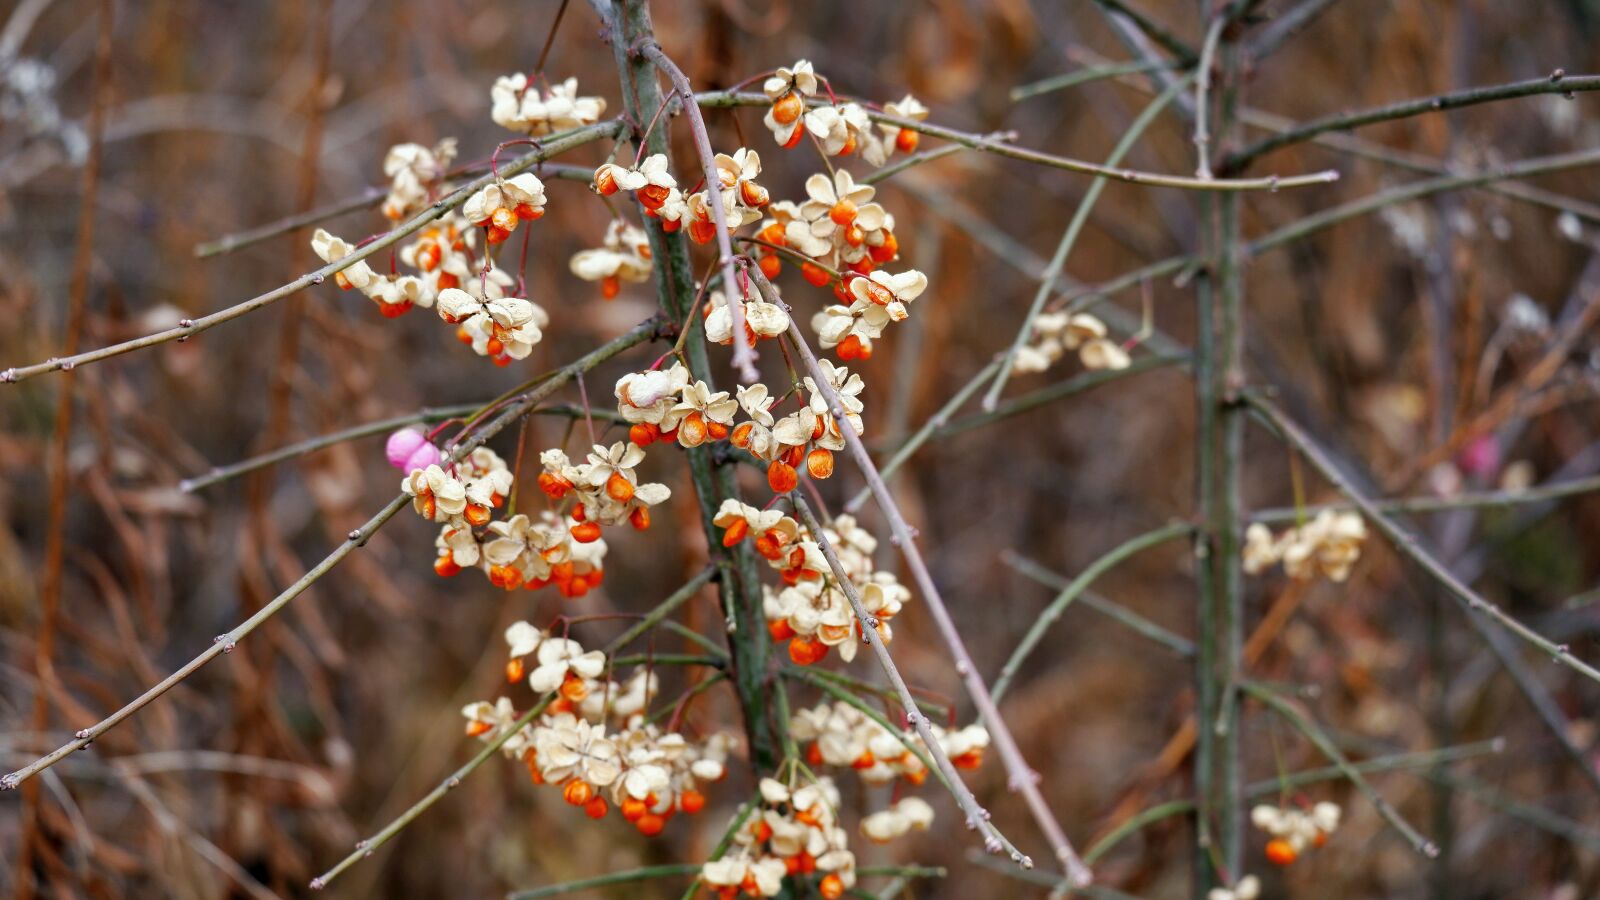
x: 739, y: 582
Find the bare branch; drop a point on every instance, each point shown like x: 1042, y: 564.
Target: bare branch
x: 1557, y: 83
x: 187, y: 328
x: 744, y: 355
x: 1000, y: 148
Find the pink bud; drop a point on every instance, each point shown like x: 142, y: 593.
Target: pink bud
x: 408, y: 446
x: 1481, y: 457
x: 426, y: 455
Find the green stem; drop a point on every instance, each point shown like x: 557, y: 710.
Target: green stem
x: 627, y: 876
x: 1072, y: 591
x: 1084, y: 76
x: 628, y: 25
x: 1115, y: 611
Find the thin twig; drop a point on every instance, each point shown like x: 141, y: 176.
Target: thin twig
x: 1407, y: 543
x: 550, y: 38
x: 925, y: 156
x: 1020, y: 777
x: 220, y: 474
x: 744, y: 355
x: 189, y: 327
x: 1471, y: 500
x: 1116, y: 611
x: 1202, y: 89
x: 1153, y: 29
x: 1556, y: 83
x: 999, y: 148
x: 977, y: 816
x: 1365, y: 149
x: 1087, y: 75
x: 1073, y: 590
x: 1286, y: 26
x: 921, y: 435
x: 1067, y: 387
x: 626, y: 876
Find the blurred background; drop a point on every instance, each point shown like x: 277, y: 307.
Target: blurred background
x: 1384, y: 335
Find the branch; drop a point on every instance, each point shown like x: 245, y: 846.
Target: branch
x: 1152, y: 29
x: 1557, y: 83
x: 627, y: 25
x: 1365, y: 149
x: 1471, y: 500
x: 1286, y: 26
x: 1089, y: 74
x: 364, y: 848
x: 1072, y: 591
x: 224, y: 643
x: 744, y: 355
x: 977, y: 816
x: 1067, y: 387
x: 1116, y: 611
x: 187, y: 328
x: 1407, y: 543
x: 1021, y: 778
x: 980, y: 142
x: 921, y: 435
x: 627, y: 876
